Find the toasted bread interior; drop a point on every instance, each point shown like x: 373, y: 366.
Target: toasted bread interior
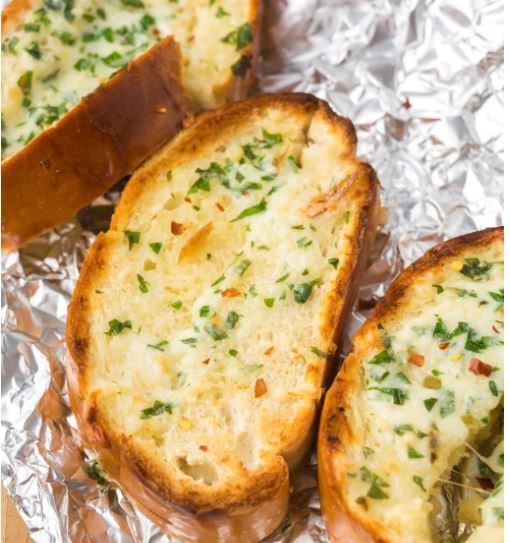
x: 420, y: 392
x: 203, y: 319
x: 56, y: 52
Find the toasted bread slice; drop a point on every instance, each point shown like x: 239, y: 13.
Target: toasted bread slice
x: 419, y: 391
x: 205, y: 321
x: 90, y: 90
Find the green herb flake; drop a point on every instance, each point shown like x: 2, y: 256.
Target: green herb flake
x: 218, y: 281
x: 132, y: 3
x: 189, y: 341
x: 475, y: 269
x: 294, y: 166
x: 304, y: 243
x: 403, y: 378
x: 156, y: 247
x: 419, y: 481
x: 368, y: 452
x: 271, y: 139
x: 96, y: 472
x: 240, y: 37
x: 216, y: 333
x: 269, y: 302
x: 333, y: 262
x: 220, y: 12
x: 158, y: 408
x: 241, y: 268
x: 413, y: 453
x: 303, y: 291
x: 232, y: 319
x: 383, y: 357
x: 493, y: 388
x: 116, y: 327
x: 176, y: 305
x: 347, y: 217
x: 318, y: 352
x: 498, y: 296
x: 253, y: 210
x: 377, y: 484
x: 25, y: 83
x: 439, y: 288
x: 143, y: 285
x: 401, y: 429
x: 446, y: 403
x: 282, y: 278
x: 34, y: 50
x: 398, y: 395
x: 159, y: 346
x: 429, y: 403
x: 132, y: 237
x: 233, y: 352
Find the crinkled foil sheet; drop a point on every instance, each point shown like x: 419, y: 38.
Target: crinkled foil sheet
x: 423, y: 83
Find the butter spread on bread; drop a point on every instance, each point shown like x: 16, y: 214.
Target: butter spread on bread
x: 204, y: 322
x: 419, y: 391
x: 55, y: 52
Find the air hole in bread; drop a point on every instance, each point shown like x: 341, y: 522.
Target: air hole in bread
x: 247, y: 449
x: 149, y: 265
x: 203, y: 472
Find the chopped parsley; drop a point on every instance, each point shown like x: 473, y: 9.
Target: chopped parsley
x: 189, y: 341
x: 241, y: 268
x: 493, y: 388
x: 429, y: 403
x: 446, y: 403
x: 240, y: 37
x: 271, y: 139
x: 96, y: 472
x: 377, y: 484
x: 158, y: 408
x: 419, y: 481
x: 116, y: 327
x: 333, y: 262
x: 269, y: 302
x: 439, y: 288
x: 159, y: 346
x: 475, y: 269
x: 156, y: 247
x: 216, y: 333
x: 204, y: 311
x: 304, y: 243
x: 233, y: 352
x: 251, y: 367
x: 398, y: 395
x: 303, y: 291
x: 253, y: 210
x: 368, y: 452
x: 34, y: 50
x: 220, y: 12
x: 176, y: 305
x: 294, y: 166
x: 401, y: 429
x: 132, y: 237
x: 413, y: 453
x: 383, y: 357
x: 232, y: 319
x: 318, y: 352
x: 282, y: 278
x: 143, y: 285
x: 218, y: 281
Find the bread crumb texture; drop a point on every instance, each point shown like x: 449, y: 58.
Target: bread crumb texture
x: 55, y: 52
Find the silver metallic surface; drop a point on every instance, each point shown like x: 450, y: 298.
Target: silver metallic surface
x: 423, y: 83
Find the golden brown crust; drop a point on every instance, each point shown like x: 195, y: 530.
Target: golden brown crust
x: 271, y: 485
x: 335, y: 427
x: 105, y: 137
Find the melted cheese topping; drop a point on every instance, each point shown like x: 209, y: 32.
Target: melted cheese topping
x: 428, y: 390
x: 65, y: 49
x: 221, y: 299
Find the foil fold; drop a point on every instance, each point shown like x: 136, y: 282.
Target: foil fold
x: 422, y: 80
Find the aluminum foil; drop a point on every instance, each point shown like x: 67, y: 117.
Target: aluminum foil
x: 423, y: 83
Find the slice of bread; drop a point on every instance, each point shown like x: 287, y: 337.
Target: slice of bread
x: 204, y: 323
x: 82, y: 105
x: 421, y: 388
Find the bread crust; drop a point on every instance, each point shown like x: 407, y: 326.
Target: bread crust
x: 336, y: 432
x: 106, y: 136
x: 253, y: 510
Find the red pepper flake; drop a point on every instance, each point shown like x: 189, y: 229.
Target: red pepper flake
x: 177, y: 228
x: 444, y: 345
x: 267, y: 352
x: 230, y: 293
x: 260, y: 388
x: 203, y: 448
x: 219, y: 206
x: 406, y: 104
x: 187, y: 199
x: 206, y: 361
x: 494, y: 329
x: 478, y: 367
x: 416, y: 359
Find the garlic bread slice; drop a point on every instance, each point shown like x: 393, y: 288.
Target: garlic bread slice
x: 204, y: 323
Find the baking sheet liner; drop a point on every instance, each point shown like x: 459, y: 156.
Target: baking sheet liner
x: 423, y: 83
